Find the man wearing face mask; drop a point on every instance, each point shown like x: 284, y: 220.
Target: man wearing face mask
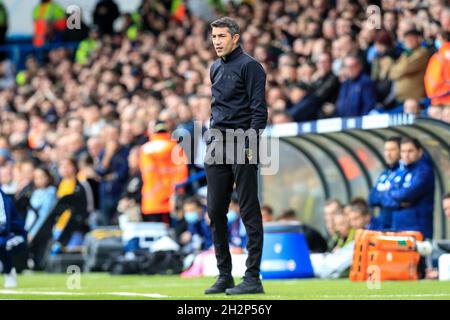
x: 194, y: 232
x: 437, y: 75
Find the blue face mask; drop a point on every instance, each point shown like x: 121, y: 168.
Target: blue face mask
x: 437, y: 44
x: 232, y: 216
x: 191, y: 217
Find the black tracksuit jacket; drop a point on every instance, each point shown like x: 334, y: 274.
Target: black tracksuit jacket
x: 238, y: 92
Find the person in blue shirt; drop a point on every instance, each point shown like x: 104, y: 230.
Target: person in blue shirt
x: 196, y: 235
x: 42, y: 201
x: 12, y: 239
x: 392, y: 157
x: 357, y: 95
x: 410, y: 194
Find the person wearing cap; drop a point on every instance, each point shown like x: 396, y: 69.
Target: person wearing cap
x: 238, y: 102
x: 409, y: 70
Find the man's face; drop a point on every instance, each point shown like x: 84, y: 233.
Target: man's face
x: 266, y: 216
x: 411, y: 106
x: 391, y: 153
x: 410, y: 153
x: 324, y: 62
x: 352, y: 68
x: 191, y: 207
x: 446, y: 206
x: 223, y: 42
x: 357, y: 220
x: 329, y: 213
x: 412, y: 41
x: 341, y: 225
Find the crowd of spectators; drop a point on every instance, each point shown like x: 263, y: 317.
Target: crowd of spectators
x: 86, y: 114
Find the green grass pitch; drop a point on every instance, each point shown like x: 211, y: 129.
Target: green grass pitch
x: 100, y: 286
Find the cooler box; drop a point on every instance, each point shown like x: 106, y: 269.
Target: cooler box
x: 285, y: 252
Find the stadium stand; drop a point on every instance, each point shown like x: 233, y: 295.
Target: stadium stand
x: 337, y: 88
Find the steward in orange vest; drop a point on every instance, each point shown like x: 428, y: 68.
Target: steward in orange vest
x: 160, y: 173
x: 49, y: 19
x: 437, y: 76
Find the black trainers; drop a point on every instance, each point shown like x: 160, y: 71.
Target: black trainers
x: 247, y: 286
x: 222, y: 283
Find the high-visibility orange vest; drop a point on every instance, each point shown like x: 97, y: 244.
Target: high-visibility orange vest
x: 160, y: 172
x: 437, y: 76
x: 46, y: 15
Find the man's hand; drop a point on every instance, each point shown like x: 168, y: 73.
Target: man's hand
x: 185, y: 237
x: 111, y: 147
x: 328, y: 109
x: 405, y: 204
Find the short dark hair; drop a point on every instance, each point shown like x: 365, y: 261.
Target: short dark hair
x: 332, y: 201
x: 360, y: 205
x: 50, y: 179
x: 288, y: 214
x: 414, y: 141
x: 446, y: 196
x: 395, y: 139
x: 267, y: 208
x: 72, y: 160
x: 445, y: 35
x: 228, y: 22
x: 355, y: 57
x: 193, y: 200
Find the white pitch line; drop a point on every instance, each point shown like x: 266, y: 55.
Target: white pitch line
x: 419, y: 295
x: 134, y: 294
x: 63, y: 293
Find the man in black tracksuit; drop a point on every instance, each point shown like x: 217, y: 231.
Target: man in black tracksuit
x: 238, y: 102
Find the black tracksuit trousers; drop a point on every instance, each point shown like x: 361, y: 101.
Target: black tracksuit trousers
x: 220, y: 179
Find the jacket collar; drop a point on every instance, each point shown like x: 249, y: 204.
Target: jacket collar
x: 233, y: 55
x: 394, y: 166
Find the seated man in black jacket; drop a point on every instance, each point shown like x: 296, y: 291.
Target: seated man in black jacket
x: 314, y: 99
x: 325, y: 85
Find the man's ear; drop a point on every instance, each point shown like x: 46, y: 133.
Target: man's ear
x: 236, y: 38
x: 421, y: 152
